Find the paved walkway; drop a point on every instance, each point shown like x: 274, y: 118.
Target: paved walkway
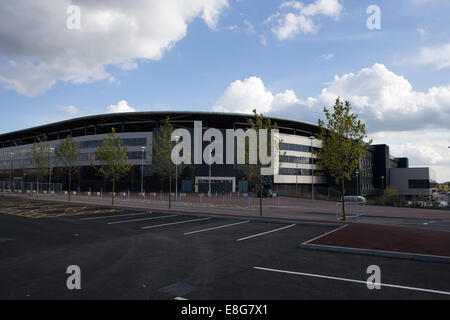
x: 285, y: 207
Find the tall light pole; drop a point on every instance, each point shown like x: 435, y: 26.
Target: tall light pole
x: 11, y: 155
x: 142, y: 169
x: 382, y: 184
x: 209, y: 186
x: 312, y: 167
x: 51, y: 149
x: 177, y: 138
x: 296, y: 175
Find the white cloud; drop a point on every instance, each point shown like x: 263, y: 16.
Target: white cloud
x: 439, y: 56
x: 423, y: 33
x: 245, y: 96
x: 385, y: 100
x: 121, y: 106
x: 328, y: 56
x: 394, y: 113
x: 288, y: 25
x: 71, y: 110
x: 39, y: 50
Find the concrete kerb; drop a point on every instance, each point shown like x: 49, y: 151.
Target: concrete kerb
x: 377, y: 253
x: 191, y: 212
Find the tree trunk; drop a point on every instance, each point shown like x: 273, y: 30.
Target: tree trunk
x: 70, y: 186
x: 343, y: 199
x: 170, y: 190
x: 113, y: 190
x: 260, y: 195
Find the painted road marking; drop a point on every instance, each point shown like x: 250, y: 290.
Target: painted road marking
x: 116, y: 216
x: 179, y: 222
x: 215, y: 228
x: 352, y: 280
x: 143, y: 219
x: 267, y: 232
x: 325, y: 234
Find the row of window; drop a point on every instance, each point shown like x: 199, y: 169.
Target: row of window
x: 28, y: 162
x: 129, y: 142
x: 297, y: 147
x: 299, y: 172
x: 299, y: 160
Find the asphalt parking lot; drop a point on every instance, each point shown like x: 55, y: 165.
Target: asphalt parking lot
x: 125, y: 254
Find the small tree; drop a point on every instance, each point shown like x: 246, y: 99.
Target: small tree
x: 342, y: 144
x: 113, y: 160
x: 67, y: 153
x: 41, y: 155
x: 162, y: 146
x: 253, y: 171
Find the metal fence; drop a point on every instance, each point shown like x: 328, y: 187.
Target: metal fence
x: 30, y: 187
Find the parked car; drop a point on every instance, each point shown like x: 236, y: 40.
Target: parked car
x: 440, y: 204
x: 355, y: 199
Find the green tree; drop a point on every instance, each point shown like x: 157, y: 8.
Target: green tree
x: 41, y: 155
x: 113, y: 160
x: 67, y: 154
x: 162, y: 146
x: 343, y: 144
x: 253, y: 171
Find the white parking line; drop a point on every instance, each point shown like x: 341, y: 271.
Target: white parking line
x: 215, y: 228
x: 267, y: 232
x: 179, y: 222
x: 117, y: 216
x: 325, y: 234
x: 143, y: 219
x: 352, y: 280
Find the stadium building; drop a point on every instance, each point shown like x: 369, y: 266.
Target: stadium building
x: 295, y: 172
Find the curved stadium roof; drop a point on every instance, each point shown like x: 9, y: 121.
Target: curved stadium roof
x: 143, y: 121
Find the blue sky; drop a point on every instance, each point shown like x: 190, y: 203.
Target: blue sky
x: 278, y: 56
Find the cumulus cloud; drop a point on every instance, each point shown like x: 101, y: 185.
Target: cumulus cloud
x: 385, y: 100
x: 295, y: 17
x: 38, y: 50
x: 121, y: 106
x: 71, y: 110
x: 439, y: 56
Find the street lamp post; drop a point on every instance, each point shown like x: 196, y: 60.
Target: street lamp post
x: 177, y: 139
x: 312, y: 167
x: 51, y: 149
x: 209, y: 186
x: 296, y: 177
x: 382, y: 184
x: 11, y: 154
x: 142, y: 170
